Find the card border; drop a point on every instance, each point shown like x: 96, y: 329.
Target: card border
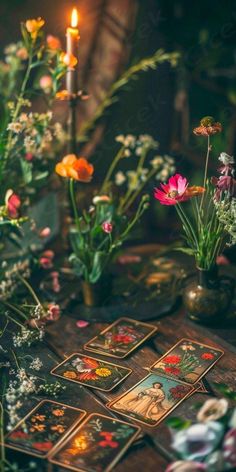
x: 115, y: 461
x: 154, y: 329
x: 95, y: 358
x: 109, y: 404
x: 64, y: 436
x: 197, y: 342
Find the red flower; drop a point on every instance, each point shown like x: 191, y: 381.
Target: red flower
x: 207, y: 356
x: 172, y: 360
x: 18, y: 434
x: 107, y: 227
x: 172, y: 370
x: 90, y: 363
x: 46, y: 259
x: 122, y: 338
x: 43, y: 446
x: 87, y: 376
x: 13, y: 203
x: 179, y: 391
x: 176, y: 191
x: 108, y: 440
x: 53, y: 312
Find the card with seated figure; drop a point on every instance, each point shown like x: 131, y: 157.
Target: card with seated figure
x: 188, y: 361
x: 91, y: 372
x: 121, y: 338
x: 151, y: 399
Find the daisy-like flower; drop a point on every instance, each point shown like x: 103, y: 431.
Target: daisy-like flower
x: 208, y: 126
x: 176, y: 191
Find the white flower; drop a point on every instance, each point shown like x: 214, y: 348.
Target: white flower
x: 187, y: 347
x: 15, y: 127
x: 212, y: 410
x: 120, y: 138
x: 101, y: 199
x: 197, y: 441
x: 127, y: 153
x: 120, y: 178
x: 157, y: 161
x: 226, y: 159
x: 133, y: 179
x: 36, y: 364
x: 143, y: 175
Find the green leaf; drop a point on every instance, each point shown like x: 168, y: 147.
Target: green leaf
x: 178, y: 423
x: 99, y: 262
x: 26, y: 168
x: 185, y: 250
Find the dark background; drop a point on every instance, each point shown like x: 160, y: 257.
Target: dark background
x: 164, y: 103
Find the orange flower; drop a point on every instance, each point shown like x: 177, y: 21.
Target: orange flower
x: 33, y: 26
x: 53, y: 42
x: 68, y: 59
x: 69, y: 374
x: 194, y: 191
x: 75, y: 168
x: 208, y: 126
x: 58, y: 412
x: 63, y: 95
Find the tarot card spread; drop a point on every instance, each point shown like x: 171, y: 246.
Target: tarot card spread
x: 43, y: 428
x: 188, y: 361
x: 96, y: 445
x: 120, y: 338
x: 151, y: 399
x: 91, y: 372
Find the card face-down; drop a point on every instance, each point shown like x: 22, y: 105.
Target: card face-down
x: 96, y: 445
x: 43, y: 428
x: 151, y: 399
x: 188, y: 361
x: 120, y: 338
x: 91, y: 372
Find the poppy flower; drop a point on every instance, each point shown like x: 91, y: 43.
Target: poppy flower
x: 42, y: 446
x: 33, y: 26
x: 176, y: 191
x: 208, y: 126
x: 172, y: 370
x: 13, y: 203
x: 172, y: 360
x: 207, y: 356
x: 91, y: 363
x: 75, y: 168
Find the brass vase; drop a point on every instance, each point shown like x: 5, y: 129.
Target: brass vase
x: 208, y: 297
x: 98, y: 293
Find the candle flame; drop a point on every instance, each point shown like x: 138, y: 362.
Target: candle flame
x: 74, y: 18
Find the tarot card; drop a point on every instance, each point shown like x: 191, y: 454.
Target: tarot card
x: 96, y: 445
x: 188, y: 361
x: 43, y: 428
x: 120, y: 338
x: 91, y: 372
x: 151, y: 399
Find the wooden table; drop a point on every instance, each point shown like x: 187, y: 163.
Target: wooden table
x: 152, y: 451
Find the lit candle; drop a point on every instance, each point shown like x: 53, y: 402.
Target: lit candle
x: 72, y: 41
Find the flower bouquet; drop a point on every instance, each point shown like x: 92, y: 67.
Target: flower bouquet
x: 208, y: 225
x: 207, y: 444
x: 100, y: 229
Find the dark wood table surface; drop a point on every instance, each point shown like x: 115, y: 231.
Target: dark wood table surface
x: 151, y: 452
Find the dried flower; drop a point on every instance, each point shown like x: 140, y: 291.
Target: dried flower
x: 46, y: 259
x: 53, y: 312
x: 212, y: 410
x: 208, y: 126
x: 75, y: 168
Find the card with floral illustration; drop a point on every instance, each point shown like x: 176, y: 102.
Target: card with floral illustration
x: 96, y: 445
x: 151, y: 399
x: 188, y: 361
x: 91, y: 372
x: 43, y: 428
x: 121, y: 338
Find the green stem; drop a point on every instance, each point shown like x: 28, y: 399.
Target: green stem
x: 31, y: 290
x: 125, y: 206
x: 206, y: 170
x: 111, y: 169
x: 3, y: 456
x: 74, y: 206
x: 14, y: 308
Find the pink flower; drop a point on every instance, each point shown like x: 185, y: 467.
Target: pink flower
x: 176, y: 191
x: 129, y: 259
x: 225, y: 183
x: 107, y: 227
x: 186, y: 466
x: 82, y: 323
x: 46, y: 82
x: 46, y: 259
x: 13, y: 203
x: 53, y: 312
x: 22, y: 53
x: 55, y: 282
x: 222, y: 260
x: 29, y: 156
x: 229, y: 448
x: 45, y: 232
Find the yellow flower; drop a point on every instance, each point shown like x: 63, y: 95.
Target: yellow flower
x: 69, y: 374
x: 33, y: 26
x: 103, y: 372
x: 58, y: 427
x: 38, y: 417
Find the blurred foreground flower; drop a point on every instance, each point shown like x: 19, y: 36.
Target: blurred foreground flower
x: 33, y: 26
x: 68, y: 59
x: 13, y: 203
x: 53, y: 42
x: 107, y: 227
x: 212, y: 410
x: 186, y: 466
